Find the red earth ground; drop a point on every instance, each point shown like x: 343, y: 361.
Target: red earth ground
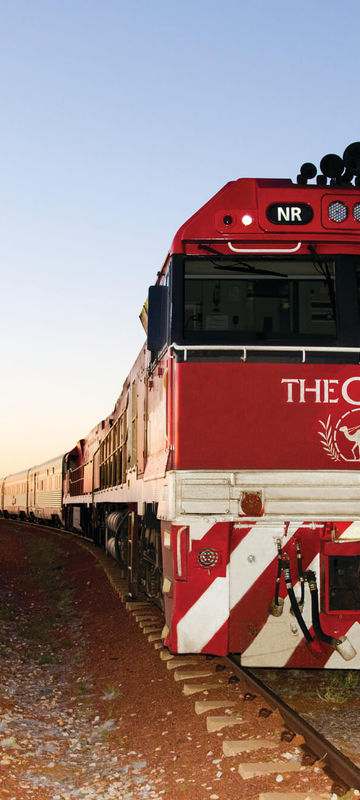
x: 89, y: 709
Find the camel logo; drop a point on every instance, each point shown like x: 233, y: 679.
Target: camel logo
x: 342, y: 441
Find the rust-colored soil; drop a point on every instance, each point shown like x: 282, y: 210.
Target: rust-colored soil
x: 88, y: 708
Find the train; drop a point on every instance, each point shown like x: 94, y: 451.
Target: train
x: 226, y: 479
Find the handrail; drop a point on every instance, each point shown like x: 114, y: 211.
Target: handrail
x: 264, y: 250
x: 261, y: 348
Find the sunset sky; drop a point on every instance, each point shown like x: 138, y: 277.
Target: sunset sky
x: 118, y: 120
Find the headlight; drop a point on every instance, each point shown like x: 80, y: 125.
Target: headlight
x: 356, y: 212
x: 208, y: 557
x: 337, y: 211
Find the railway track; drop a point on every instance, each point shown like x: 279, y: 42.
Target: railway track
x: 217, y: 686
x: 335, y: 761
x: 204, y: 676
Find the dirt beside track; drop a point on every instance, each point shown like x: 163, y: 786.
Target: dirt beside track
x: 88, y: 709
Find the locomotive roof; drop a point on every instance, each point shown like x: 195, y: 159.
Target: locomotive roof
x: 240, y: 211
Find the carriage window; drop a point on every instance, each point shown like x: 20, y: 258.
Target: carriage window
x: 264, y: 300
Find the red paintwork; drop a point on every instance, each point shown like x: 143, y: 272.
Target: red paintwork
x: 313, y: 655
x: 187, y: 592
x: 236, y: 416
x: 253, y: 196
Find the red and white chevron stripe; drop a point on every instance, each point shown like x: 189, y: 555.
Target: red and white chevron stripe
x: 225, y: 607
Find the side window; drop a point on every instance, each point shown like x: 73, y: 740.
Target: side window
x: 113, y: 454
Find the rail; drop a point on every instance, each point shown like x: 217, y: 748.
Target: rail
x: 261, y: 348
x: 336, y: 762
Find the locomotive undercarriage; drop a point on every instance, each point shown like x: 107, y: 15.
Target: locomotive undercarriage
x: 317, y: 627
x: 134, y: 541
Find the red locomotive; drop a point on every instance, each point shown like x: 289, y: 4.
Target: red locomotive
x: 226, y: 480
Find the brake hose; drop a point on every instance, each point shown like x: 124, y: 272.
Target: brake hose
x: 311, y: 579
x: 342, y: 644
x: 293, y: 601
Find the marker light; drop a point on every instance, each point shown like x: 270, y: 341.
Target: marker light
x: 337, y: 211
x: 246, y: 219
x: 356, y: 212
x: 251, y: 504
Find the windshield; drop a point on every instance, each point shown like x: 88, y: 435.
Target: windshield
x: 260, y: 300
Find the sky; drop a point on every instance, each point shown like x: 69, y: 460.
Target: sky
x: 118, y: 120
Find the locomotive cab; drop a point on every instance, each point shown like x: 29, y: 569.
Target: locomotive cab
x: 263, y: 334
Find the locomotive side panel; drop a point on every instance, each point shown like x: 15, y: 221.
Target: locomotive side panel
x: 158, y: 434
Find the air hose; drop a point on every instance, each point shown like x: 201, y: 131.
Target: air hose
x: 342, y: 644
x: 311, y: 579
x: 285, y: 565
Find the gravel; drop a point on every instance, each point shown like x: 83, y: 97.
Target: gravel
x: 54, y: 740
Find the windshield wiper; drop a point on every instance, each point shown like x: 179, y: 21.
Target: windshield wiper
x: 239, y: 266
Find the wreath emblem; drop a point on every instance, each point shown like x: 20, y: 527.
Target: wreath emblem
x: 327, y: 439
x: 334, y: 440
